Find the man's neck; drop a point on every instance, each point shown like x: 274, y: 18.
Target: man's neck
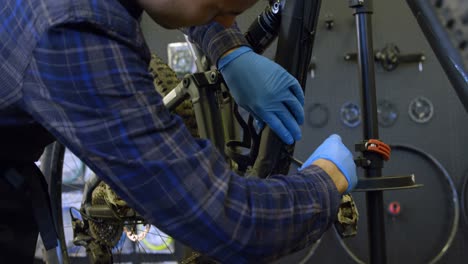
x: 132, y: 7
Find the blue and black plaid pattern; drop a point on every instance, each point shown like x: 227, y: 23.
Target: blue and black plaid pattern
x: 86, y: 81
x: 213, y: 39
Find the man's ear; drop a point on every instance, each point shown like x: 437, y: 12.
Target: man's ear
x: 173, y: 14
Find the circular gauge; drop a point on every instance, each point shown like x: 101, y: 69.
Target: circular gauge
x: 350, y: 114
x: 387, y: 113
x: 421, y: 110
x: 317, y: 115
x: 428, y: 214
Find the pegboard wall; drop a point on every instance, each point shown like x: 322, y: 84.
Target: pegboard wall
x: 418, y: 107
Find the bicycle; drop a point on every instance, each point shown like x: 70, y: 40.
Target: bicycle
x: 268, y: 157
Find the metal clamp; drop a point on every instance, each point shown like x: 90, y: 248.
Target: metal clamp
x: 375, y: 145
x: 390, y: 57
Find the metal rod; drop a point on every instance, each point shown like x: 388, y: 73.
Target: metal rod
x: 374, y: 199
x: 443, y: 48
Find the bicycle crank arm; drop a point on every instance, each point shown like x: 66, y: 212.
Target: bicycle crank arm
x: 348, y: 215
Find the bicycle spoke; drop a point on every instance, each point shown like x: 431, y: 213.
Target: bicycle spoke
x: 74, y: 161
x: 159, y: 234
x: 144, y: 250
x: 164, y: 241
x: 119, y: 250
x: 72, y: 186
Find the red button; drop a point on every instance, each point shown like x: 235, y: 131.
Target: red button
x: 394, y: 208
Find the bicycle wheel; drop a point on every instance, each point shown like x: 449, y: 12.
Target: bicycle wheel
x: 114, y: 240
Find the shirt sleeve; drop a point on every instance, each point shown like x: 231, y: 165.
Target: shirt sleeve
x: 92, y: 91
x: 215, y: 40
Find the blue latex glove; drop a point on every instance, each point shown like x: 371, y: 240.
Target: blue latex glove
x: 332, y: 149
x: 266, y: 90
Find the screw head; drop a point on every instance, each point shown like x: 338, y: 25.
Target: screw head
x: 213, y: 75
x: 186, y: 82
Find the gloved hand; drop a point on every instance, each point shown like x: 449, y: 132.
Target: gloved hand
x: 332, y: 149
x: 266, y: 90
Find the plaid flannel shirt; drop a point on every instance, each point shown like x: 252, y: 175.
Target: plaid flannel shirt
x: 79, y: 68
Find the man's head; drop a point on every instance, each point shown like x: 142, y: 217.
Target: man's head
x: 184, y: 13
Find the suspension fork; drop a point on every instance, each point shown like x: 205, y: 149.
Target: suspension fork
x: 298, y: 22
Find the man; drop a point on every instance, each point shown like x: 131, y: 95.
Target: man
x: 76, y: 70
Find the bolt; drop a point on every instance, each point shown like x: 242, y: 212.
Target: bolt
x: 186, y: 82
x: 276, y: 7
x: 213, y: 75
x: 394, y: 208
x: 329, y: 22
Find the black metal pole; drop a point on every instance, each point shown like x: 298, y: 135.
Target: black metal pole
x: 443, y: 48
x: 374, y: 200
x: 294, y: 50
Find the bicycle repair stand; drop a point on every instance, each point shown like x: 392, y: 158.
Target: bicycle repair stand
x: 297, y: 30
x: 374, y: 152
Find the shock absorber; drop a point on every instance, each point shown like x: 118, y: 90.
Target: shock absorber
x: 263, y: 31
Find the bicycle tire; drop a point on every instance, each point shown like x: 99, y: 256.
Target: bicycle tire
x: 51, y: 166
x: 52, y: 161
